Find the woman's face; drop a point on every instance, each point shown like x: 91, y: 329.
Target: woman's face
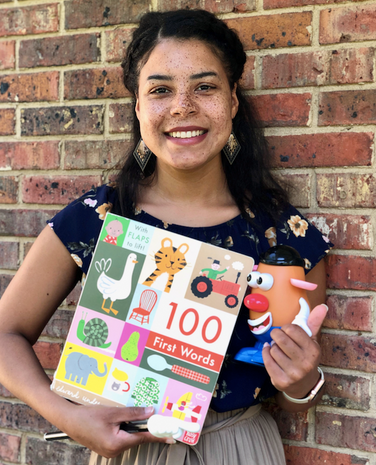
x: 184, y: 104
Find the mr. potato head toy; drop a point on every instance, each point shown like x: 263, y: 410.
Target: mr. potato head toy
x: 278, y: 297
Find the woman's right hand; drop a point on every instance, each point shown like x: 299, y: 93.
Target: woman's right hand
x: 98, y: 428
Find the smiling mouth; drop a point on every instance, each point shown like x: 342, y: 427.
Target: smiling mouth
x: 185, y: 134
x: 261, y: 325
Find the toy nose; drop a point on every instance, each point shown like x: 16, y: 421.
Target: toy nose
x: 256, y: 302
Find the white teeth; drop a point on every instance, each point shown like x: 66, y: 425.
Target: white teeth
x: 186, y: 134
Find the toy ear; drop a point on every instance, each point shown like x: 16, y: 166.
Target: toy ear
x: 168, y: 240
x: 303, y: 284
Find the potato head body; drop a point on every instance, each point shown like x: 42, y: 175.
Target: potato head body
x: 278, y: 297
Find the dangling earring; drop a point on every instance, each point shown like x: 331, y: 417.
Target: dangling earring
x: 142, y: 154
x: 232, y: 147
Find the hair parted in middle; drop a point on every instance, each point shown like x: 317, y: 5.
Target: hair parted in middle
x: 249, y: 179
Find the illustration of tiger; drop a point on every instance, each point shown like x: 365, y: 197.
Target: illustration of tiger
x: 168, y: 259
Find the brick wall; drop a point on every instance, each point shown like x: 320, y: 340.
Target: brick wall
x: 311, y: 73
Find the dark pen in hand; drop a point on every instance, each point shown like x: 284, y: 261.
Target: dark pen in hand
x: 130, y: 427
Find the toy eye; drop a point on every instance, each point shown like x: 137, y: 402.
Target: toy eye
x: 253, y: 278
x: 265, y: 281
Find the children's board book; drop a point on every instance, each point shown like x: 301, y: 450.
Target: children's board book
x: 153, y: 323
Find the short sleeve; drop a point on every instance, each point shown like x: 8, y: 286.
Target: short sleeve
x: 298, y: 232
x: 78, y: 225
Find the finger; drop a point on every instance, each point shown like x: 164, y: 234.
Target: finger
x: 316, y: 319
x: 133, y: 413
x: 274, y: 370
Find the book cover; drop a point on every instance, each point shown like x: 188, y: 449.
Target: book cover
x: 153, y: 323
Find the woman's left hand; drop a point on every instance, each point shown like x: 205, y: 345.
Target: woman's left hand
x: 292, y: 359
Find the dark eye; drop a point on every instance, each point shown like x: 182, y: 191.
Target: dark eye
x: 160, y: 90
x: 205, y: 87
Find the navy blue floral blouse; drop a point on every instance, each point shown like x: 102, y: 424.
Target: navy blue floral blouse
x: 239, y: 385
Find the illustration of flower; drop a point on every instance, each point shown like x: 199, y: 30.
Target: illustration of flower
x: 297, y: 225
x: 77, y: 259
x: 103, y: 209
x: 250, y: 213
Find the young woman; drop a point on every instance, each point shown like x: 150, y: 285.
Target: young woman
x: 199, y: 168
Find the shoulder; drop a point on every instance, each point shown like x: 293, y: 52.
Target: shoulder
x: 78, y: 224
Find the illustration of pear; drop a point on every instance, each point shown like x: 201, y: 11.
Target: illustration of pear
x: 129, y: 351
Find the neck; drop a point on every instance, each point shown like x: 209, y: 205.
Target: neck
x: 190, y: 197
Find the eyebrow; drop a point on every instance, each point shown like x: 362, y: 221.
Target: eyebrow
x: 165, y: 77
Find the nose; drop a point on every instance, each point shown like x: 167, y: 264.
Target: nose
x: 182, y: 105
x: 257, y: 302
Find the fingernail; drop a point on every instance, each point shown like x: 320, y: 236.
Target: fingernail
x: 170, y: 441
x: 266, y: 344
x: 327, y: 308
x: 149, y: 410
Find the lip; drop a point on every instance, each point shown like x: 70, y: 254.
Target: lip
x: 187, y: 140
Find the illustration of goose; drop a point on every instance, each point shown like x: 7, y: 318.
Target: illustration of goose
x: 115, y: 289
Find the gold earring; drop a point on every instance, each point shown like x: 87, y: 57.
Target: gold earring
x: 142, y: 154
x: 232, y: 147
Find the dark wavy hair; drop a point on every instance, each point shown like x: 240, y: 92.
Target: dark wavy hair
x: 249, y: 179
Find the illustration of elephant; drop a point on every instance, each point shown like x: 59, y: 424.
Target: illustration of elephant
x: 79, y: 366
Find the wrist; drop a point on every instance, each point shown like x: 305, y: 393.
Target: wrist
x: 313, y: 392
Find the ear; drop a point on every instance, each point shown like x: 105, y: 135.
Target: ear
x: 234, y: 102
x: 137, y: 108
x: 303, y: 284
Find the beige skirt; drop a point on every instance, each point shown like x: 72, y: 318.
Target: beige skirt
x: 241, y: 437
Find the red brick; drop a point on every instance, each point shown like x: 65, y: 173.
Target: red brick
x: 332, y: 149
x: 29, y: 155
x: 350, y: 107
x: 354, y: 432
x: 309, y: 456
x: 345, y: 391
x: 34, y: 87
x: 4, y: 392
x: 9, y: 255
x: 54, y: 190
x: 351, y: 66
x: 345, y: 231
x: 10, y: 447
x: 35, y: 19
x: 23, y: 223
x: 72, y: 297
x: 121, y: 117
x: 291, y: 426
x: 8, y: 189
x: 101, y: 154
x: 5, y: 279
x: 80, y: 14
x: 94, y: 83
x: 214, y: 6
x: 7, y: 121
x: 349, y: 352
x: 61, y: 50
x: 348, y: 66
x: 7, y: 54
x: 348, y: 24
x: 346, y: 190
x: 20, y: 417
x: 298, y: 187
x: 283, y: 110
x: 62, y: 120
x: 273, y: 31
x: 117, y: 42
x: 39, y: 452
x: 351, y: 272
x: 48, y: 354
x: 59, y: 324
x: 248, y: 79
